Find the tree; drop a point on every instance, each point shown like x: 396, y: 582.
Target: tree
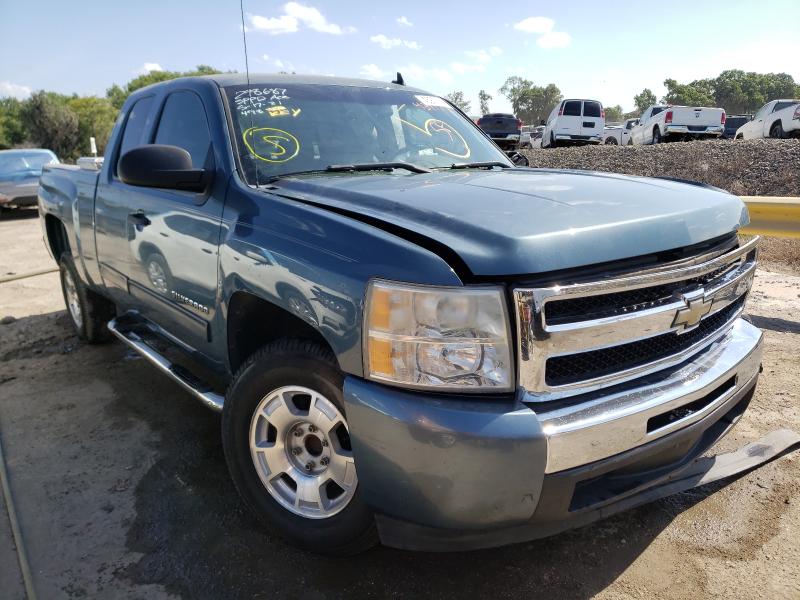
x: 696, y: 93
x: 12, y: 131
x: 117, y: 95
x: 50, y: 123
x: 614, y: 114
x: 458, y: 99
x: 644, y: 99
x: 530, y: 102
x: 483, y: 98
x: 740, y: 92
x: 96, y: 118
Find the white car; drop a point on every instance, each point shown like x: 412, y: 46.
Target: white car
x: 618, y: 134
x: 574, y: 122
x: 664, y: 122
x: 776, y: 119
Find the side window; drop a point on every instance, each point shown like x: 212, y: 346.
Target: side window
x: 136, y: 125
x: 183, y: 123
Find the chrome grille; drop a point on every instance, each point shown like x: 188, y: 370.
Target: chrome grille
x: 580, y: 337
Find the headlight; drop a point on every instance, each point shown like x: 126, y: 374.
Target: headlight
x: 438, y: 338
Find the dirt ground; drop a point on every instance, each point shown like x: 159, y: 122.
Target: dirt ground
x: 121, y: 489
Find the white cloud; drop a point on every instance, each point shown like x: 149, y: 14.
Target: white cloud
x: 414, y: 73
x: 484, y: 56
x: 535, y: 25
x: 388, y: 43
x: 14, y: 90
x: 265, y: 57
x: 404, y: 21
x: 462, y: 68
x: 372, y: 71
x: 495, y: 50
x: 294, y: 16
x: 148, y: 68
x: 554, y: 39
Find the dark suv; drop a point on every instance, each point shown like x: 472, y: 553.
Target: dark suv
x: 504, y: 129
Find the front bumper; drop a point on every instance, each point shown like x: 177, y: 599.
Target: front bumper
x: 461, y: 473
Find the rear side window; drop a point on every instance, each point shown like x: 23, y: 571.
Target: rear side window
x: 572, y: 108
x: 184, y: 124
x: 782, y: 105
x: 656, y: 110
x: 136, y: 125
x: 592, y: 109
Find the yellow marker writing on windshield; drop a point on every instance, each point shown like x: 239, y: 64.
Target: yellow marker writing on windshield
x: 270, y: 144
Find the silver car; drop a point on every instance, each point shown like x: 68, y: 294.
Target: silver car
x: 19, y: 175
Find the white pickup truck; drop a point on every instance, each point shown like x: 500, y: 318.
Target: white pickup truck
x: 619, y: 135
x: 660, y: 123
x: 776, y: 119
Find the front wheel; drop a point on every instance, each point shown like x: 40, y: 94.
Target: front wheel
x: 612, y: 141
x: 287, y: 444
x: 776, y: 132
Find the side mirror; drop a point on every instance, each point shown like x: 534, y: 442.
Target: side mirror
x: 162, y: 166
x: 518, y: 159
x: 542, y: 122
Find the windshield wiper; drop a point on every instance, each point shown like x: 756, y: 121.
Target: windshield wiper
x: 380, y: 166
x: 480, y: 165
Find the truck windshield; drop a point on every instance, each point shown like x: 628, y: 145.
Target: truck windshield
x: 293, y: 129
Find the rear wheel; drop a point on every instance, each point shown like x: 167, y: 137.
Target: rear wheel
x: 553, y: 143
x: 89, y: 312
x: 657, y: 135
x: 776, y: 131
x: 287, y: 444
x: 630, y: 141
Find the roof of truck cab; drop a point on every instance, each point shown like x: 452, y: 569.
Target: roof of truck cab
x: 232, y: 79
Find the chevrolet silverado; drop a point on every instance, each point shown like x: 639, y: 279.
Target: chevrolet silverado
x: 411, y: 340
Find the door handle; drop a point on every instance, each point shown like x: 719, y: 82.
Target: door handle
x: 139, y: 220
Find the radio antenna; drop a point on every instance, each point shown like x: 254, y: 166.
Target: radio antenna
x: 247, y: 73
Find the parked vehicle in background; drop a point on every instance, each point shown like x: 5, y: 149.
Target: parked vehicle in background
x: 733, y: 123
x: 503, y: 128
x: 664, y: 122
x: 525, y: 136
x: 19, y: 175
x: 776, y: 119
x: 410, y: 339
x: 618, y: 134
x: 576, y: 122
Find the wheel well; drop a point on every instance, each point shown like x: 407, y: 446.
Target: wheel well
x: 56, y: 236
x: 777, y: 122
x: 254, y: 322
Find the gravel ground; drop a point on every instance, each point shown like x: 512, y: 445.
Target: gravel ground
x: 121, y: 488
x: 745, y: 168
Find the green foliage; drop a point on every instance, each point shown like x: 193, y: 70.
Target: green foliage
x: 530, y: 102
x: 50, y: 123
x: 642, y: 100
x: 117, y: 95
x: 614, y: 114
x: 483, y: 99
x: 96, y: 118
x: 12, y: 132
x: 697, y: 93
x: 458, y: 99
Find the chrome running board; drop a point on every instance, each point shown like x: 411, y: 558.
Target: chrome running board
x: 200, y: 391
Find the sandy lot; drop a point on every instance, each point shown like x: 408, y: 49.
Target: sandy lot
x: 121, y: 488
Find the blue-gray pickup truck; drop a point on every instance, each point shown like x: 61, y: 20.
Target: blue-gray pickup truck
x: 411, y: 339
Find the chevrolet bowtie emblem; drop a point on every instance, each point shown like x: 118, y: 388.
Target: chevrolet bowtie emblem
x: 697, y: 307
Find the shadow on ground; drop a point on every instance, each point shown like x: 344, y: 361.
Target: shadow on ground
x: 18, y: 214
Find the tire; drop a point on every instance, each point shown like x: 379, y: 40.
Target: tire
x: 553, y: 143
x: 657, y: 136
x: 273, y: 396
x: 88, y: 311
x: 630, y: 141
x: 739, y: 137
x: 612, y: 141
x: 776, y: 131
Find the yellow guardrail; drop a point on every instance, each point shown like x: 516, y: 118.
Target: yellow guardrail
x: 775, y: 216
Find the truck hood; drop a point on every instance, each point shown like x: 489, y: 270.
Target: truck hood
x: 529, y: 221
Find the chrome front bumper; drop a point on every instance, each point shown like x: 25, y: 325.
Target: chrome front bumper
x: 579, y: 433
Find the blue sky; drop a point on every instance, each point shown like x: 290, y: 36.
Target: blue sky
x: 606, y: 50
